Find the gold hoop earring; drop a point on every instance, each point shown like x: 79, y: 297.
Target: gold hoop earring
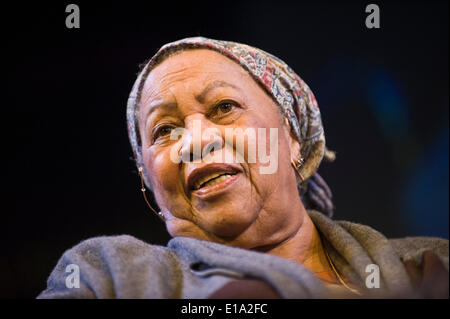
x: 297, y: 165
x: 159, y: 214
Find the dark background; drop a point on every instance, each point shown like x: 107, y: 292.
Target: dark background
x: 67, y: 172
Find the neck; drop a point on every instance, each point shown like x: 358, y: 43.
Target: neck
x: 305, y: 247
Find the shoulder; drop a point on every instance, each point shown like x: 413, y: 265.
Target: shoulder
x: 108, y: 267
x: 121, y: 251
x: 433, y: 243
x: 412, y: 247
x: 121, y: 246
x: 407, y: 248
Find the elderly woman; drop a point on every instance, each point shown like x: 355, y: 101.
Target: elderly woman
x: 202, y: 116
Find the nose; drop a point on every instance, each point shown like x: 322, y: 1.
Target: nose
x: 201, y: 138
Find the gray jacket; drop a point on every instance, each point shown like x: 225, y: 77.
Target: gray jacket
x: 125, y: 267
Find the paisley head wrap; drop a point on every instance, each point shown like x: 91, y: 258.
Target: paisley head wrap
x: 292, y: 95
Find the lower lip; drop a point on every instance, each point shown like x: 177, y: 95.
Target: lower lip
x: 216, y: 189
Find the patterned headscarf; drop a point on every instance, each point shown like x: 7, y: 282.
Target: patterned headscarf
x: 292, y: 95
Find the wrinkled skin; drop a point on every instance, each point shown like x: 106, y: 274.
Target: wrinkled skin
x: 269, y: 217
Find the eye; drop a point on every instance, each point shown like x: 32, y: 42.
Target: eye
x: 161, y: 131
x: 225, y: 107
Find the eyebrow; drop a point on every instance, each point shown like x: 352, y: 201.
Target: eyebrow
x: 211, y: 86
x: 200, y: 97
x: 158, y: 104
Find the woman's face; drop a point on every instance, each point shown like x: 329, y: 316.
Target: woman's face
x: 210, y: 197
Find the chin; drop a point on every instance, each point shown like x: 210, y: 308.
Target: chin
x: 227, y: 220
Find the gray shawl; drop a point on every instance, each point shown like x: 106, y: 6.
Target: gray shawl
x: 125, y: 267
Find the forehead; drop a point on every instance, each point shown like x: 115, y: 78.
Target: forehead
x: 194, y: 67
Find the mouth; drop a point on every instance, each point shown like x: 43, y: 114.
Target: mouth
x: 212, y: 178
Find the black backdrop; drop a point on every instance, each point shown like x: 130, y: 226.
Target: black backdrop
x: 67, y: 173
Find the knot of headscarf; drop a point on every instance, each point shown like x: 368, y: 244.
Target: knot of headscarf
x: 290, y: 92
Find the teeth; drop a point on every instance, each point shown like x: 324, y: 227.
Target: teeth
x: 217, y: 180
x: 205, y: 179
x: 211, y: 180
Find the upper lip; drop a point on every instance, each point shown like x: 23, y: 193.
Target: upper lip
x: 200, y: 172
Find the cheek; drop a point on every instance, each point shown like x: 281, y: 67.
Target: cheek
x: 263, y: 153
x: 163, y: 173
